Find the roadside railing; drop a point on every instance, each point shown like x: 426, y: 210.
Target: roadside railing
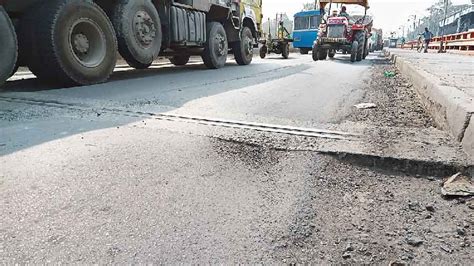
x: 459, y: 42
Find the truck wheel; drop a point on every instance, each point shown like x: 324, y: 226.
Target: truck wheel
x: 304, y: 51
x: 69, y: 42
x: 263, y: 51
x: 243, y: 49
x: 9, y: 46
x: 285, y: 50
x: 354, y: 48
x: 216, y: 48
x: 179, y: 60
x: 138, y: 29
x: 360, y: 37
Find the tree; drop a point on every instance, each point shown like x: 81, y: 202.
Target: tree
x: 271, y: 25
x: 309, y: 6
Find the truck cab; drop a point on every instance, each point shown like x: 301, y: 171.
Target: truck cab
x: 306, y: 30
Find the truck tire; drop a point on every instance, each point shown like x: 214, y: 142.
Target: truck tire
x: 360, y: 37
x: 243, y: 49
x: 138, y: 29
x: 216, y: 47
x: 179, y: 60
x: 9, y: 46
x: 354, y: 49
x: 285, y: 50
x: 69, y: 42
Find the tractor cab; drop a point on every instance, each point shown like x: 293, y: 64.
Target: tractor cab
x: 343, y: 32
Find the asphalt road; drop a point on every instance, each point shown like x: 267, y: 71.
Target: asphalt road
x: 168, y: 165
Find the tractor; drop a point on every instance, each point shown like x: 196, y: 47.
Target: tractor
x: 279, y: 45
x: 344, y: 33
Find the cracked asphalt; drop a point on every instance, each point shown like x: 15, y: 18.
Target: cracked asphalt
x: 90, y: 175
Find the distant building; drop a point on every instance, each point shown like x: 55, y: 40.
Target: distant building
x: 461, y: 21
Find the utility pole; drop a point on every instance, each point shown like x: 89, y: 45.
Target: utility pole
x: 443, y: 42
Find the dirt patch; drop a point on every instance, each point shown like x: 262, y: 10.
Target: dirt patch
x: 398, y: 105
x: 358, y: 215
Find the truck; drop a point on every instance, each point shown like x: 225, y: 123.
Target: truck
x: 306, y: 29
x: 77, y: 42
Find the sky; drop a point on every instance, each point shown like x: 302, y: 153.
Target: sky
x: 388, y: 14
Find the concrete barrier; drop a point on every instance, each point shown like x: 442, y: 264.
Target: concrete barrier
x: 451, y: 109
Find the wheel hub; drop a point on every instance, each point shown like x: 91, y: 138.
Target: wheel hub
x: 220, y: 44
x: 249, y: 44
x: 144, y: 28
x: 87, y: 42
x: 81, y: 43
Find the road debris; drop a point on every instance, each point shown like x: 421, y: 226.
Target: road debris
x: 389, y: 74
x: 397, y: 263
x: 414, y: 241
x: 446, y: 249
x: 458, y: 185
x: 365, y: 106
x: 430, y: 208
x: 346, y: 255
x: 470, y: 203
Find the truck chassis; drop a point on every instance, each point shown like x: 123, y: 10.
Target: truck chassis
x: 75, y: 42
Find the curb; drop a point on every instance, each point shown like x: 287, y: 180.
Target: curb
x: 447, y: 105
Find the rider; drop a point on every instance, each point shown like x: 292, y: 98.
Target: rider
x: 344, y: 13
x: 334, y: 14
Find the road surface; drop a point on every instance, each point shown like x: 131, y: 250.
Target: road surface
x: 236, y: 165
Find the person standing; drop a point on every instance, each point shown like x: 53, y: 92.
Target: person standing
x: 403, y: 42
x: 427, y: 36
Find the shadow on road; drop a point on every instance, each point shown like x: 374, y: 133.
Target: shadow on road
x: 32, y: 113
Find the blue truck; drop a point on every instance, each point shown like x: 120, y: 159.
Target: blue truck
x: 306, y: 29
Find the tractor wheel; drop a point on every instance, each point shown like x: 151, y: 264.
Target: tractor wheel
x: 360, y: 37
x: 304, y: 51
x: 263, y: 51
x: 285, y: 50
x: 332, y: 53
x: 138, y: 29
x: 243, y: 49
x: 366, y: 49
x: 179, y: 60
x: 323, y: 54
x: 69, y: 42
x: 315, y: 52
x: 9, y: 46
x: 216, y: 48
x: 354, y: 49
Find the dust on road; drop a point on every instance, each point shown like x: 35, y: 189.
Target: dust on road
x: 103, y: 187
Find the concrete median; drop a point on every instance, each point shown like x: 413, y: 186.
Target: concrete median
x: 445, y: 86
